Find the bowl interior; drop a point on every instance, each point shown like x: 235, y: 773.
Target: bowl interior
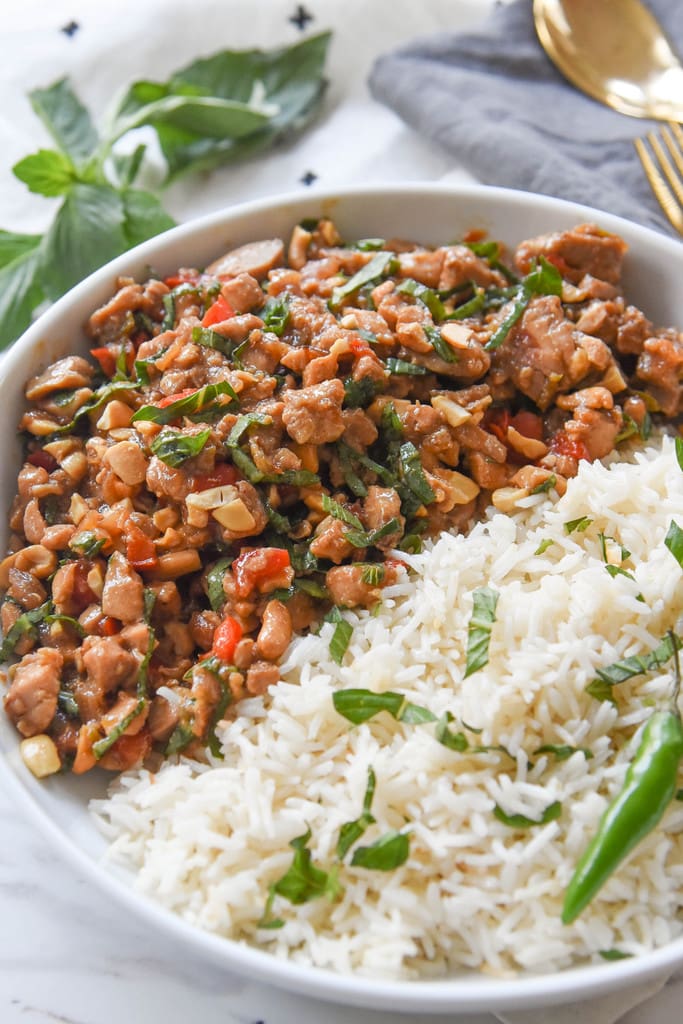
x: 424, y: 213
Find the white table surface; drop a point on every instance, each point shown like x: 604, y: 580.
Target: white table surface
x: 66, y: 953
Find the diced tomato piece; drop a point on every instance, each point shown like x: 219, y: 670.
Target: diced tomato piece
x: 219, y: 311
x: 529, y: 424
x: 127, y: 752
x: 258, y: 567
x: 226, y: 638
x: 182, y: 277
x: 563, y: 444
x: 43, y: 460
x: 359, y: 347
x: 170, y: 399
x: 140, y: 550
x: 106, y: 358
x: 223, y: 473
x: 474, y: 235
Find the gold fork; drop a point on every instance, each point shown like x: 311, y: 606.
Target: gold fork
x: 665, y: 170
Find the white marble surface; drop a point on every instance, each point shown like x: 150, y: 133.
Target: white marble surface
x: 67, y: 954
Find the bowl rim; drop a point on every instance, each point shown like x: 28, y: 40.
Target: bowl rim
x: 456, y: 994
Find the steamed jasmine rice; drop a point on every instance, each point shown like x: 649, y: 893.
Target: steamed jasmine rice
x: 208, y: 841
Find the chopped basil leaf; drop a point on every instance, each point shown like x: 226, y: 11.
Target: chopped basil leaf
x: 637, y: 664
x: 359, y: 705
x: 401, y: 367
x: 390, y: 424
x: 373, y: 574
x: 351, y: 831
x: 411, y: 544
x: 439, y: 344
x: 616, y: 570
x: 551, y: 813
x: 24, y: 626
x: 98, y: 399
x: 386, y: 854
x: 341, y: 637
x: 339, y: 512
x: 208, y: 338
x: 368, y: 538
x: 68, y: 620
x: 674, y: 542
x: 174, y: 448
x: 544, y: 279
x: 242, y: 423
x: 87, y: 543
x: 543, y: 546
x: 367, y: 336
x: 368, y: 244
x: 67, y: 703
x: 149, y: 600
x: 613, y: 954
x: 602, y: 540
x: 275, y: 314
x: 100, y: 747
x: 577, y: 525
x: 452, y: 740
x: 304, y: 881
x: 562, y: 752
x: 412, y: 479
x: 212, y: 740
x: 181, y: 736
x: 423, y: 294
x: 379, y: 265
x: 546, y: 486
x: 295, y: 477
x: 214, y: 583
x: 359, y: 393
x: 280, y: 523
x: 469, y: 308
x: 168, y: 322
x: 601, y: 691
x: 194, y: 403
x: 485, y: 600
x: 679, y: 451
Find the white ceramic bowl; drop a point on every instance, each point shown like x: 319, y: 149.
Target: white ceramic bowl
x: 427, y: 213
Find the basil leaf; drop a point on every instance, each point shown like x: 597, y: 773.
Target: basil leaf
x: 414, y: 714
x: 149, y: 600
x: 100, y: 747
x: 98, y: 399
x: 601, y: 690
x: 67, y: 703
x: 427, y: 296
x: 358, y: 705
x: 275, y: 314
x: 551, y: 813
x: 368, y: 538
x: 674, y: 542
x: 46, y: 173
x: 13, y: 245
x: 470, y: 308
x: 373, y: 574
x: 439, y: 344
x: 616, y: 570
x: 679, y: 451
x: 400, y: 367
x: 367, y: 244
x: 386, y: 854
x: 341, y: 637
x: 351, y: 831
x: 563, y: 752
x: 174, y: 448
x: 25, y: 625
x: 187, y: 406
x: 242, y: 423
x: 144, y: 216
x: 67, y: 620
x: 637, y: 664
x: 483, y: 616
x: 543, y: 279
x: 66, y: 119
x: 543, y: 546
x: 359, y: 393
x: 546, y: 486
x: 412, y: 476
x: 180, y: 738
x: 87, y: 543
x: 338, y: 511
x: 304, y: 881
x: 214, y: 583
x: 578, y: 525
x: 613, y: 954
x: 20, y: 288
x: 87, y: 232
x: 452, y: 740
x: 377, y: 267
x: 212, y: 740
x: 127, y: 165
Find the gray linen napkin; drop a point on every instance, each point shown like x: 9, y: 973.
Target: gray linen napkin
x: 498, y: 104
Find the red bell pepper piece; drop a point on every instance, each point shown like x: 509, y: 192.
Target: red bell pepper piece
x: 170, y: 399
x: 140, y: 550
x: 106, y: 358
x: 226, y: 638
x: 254, y: 568
x: 219, y: 311
x: 529, y: 424
x: 563, y: 444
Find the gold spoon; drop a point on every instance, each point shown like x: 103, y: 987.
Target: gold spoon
x: 616, y: 52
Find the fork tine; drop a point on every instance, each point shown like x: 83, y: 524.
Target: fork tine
x: 673, y: 136
x: 666, y: 198
x: 665, y: 164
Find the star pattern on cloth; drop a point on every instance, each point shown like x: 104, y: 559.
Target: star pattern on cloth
x: 71, y: 29
x: 308, y: 178
x: 301, y: 17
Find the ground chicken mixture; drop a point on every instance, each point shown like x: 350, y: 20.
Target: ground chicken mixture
x: 250, y: 447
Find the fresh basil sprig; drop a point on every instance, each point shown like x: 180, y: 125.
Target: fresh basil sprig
x: 217, y: 109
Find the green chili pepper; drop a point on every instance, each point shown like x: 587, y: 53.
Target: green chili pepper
x: 649, y: 787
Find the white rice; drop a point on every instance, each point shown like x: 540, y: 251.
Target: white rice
x: 474, y: 894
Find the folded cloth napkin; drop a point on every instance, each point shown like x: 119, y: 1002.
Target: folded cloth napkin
x: 498, y: 103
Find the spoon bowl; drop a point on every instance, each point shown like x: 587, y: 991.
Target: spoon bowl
x: 616, y: 53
